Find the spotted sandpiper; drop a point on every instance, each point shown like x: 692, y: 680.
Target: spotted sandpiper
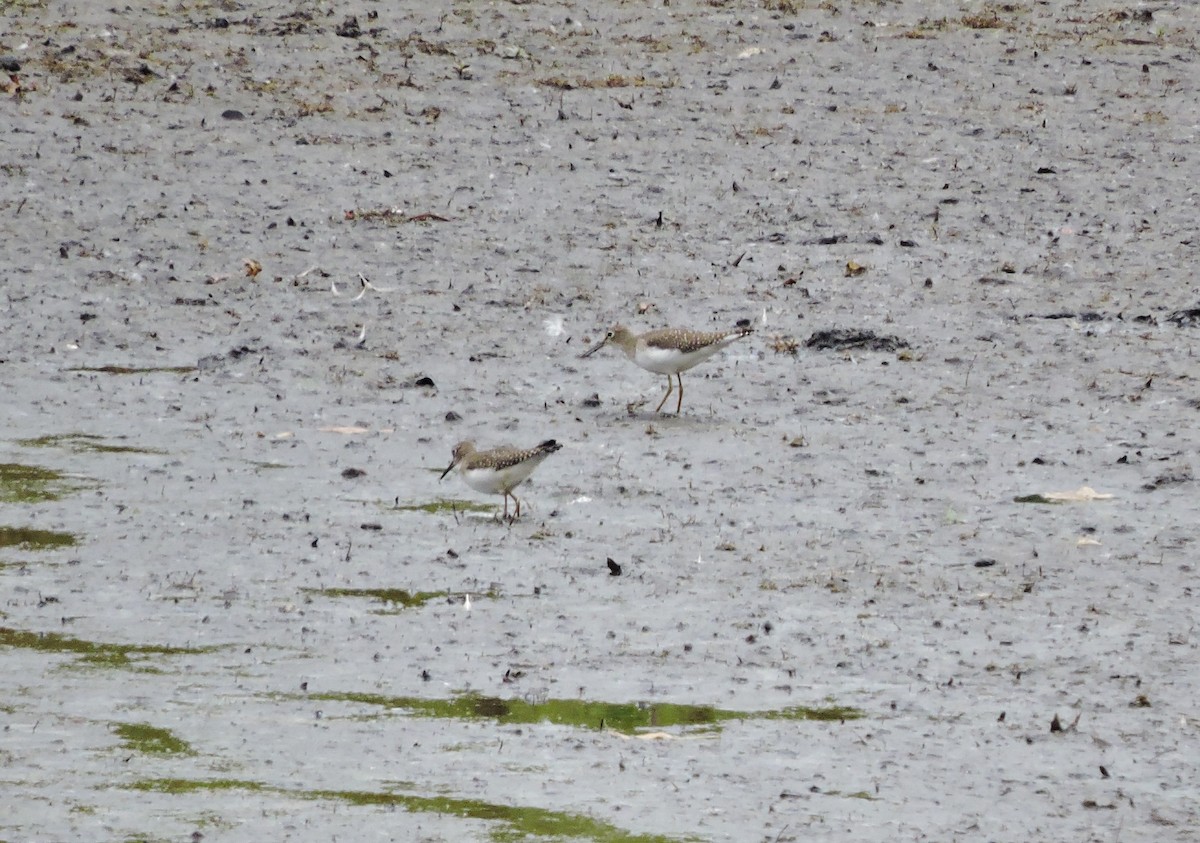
x: 669, y: 351
x: 499, y: 470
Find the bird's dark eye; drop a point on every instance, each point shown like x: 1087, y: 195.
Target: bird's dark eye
x: 610, y: 335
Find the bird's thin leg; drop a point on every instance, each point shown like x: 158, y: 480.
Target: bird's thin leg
x: 517, y: 501
x: 670, y: 386
x: 506, y: 504
x: 679, y: 405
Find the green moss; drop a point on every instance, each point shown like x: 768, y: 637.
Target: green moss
x: 182, y: 786
x: 23, y: 5
x: 34, y: 484
x: 142, y: 737
x: 513, y: 823
x: 518, y: 823
x: 445, y: 505
x: 828, y: 713
x: 28, y: 538
x: 80, y: 443
x: 396, y: 597
x: 623, y: 717
x: 1034, y: 499
x: 90, y: 652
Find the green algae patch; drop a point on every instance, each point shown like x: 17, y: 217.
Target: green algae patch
x: 827, y: 713
x: 92, y: 652
x: 34, y: 484
x: 134, y: 370
x: 84, y: 443
x: 443, y: 505
x: 516, y: 822
x: 142, y: 737
x: 392, y: 598
x: 627, y: 718
x: 1035, y: 499
x: 27, y: 538
x: 861, y: 794
x: 512, y: 823
x: 179, y: 787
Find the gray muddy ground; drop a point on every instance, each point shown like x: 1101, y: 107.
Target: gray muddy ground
x: 847, y: 609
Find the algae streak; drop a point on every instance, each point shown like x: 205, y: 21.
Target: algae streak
x: 91, y: 652
x: 391, y: 596
x: 442, y: 505
x: 82, y: 443
x: 34, y: 484
x: 627, y: 718
x: 515, y: 822
x: 142, y: 737
x: 28, y: 538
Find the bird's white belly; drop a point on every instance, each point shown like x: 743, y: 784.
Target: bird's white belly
x: 669, y: 361
x: 492, y: 482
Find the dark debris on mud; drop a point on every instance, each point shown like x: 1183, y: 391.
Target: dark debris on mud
x: 843, y: 339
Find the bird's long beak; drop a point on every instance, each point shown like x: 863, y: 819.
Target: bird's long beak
x: 594, y: 348
x: 448, y: 469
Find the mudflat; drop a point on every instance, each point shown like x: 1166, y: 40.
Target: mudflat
x: 916, y: 560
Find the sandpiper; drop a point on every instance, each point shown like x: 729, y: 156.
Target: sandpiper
x: 500, y: 470
x: 669, y: 351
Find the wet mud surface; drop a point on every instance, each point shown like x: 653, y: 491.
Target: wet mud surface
x: 916, y: 561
